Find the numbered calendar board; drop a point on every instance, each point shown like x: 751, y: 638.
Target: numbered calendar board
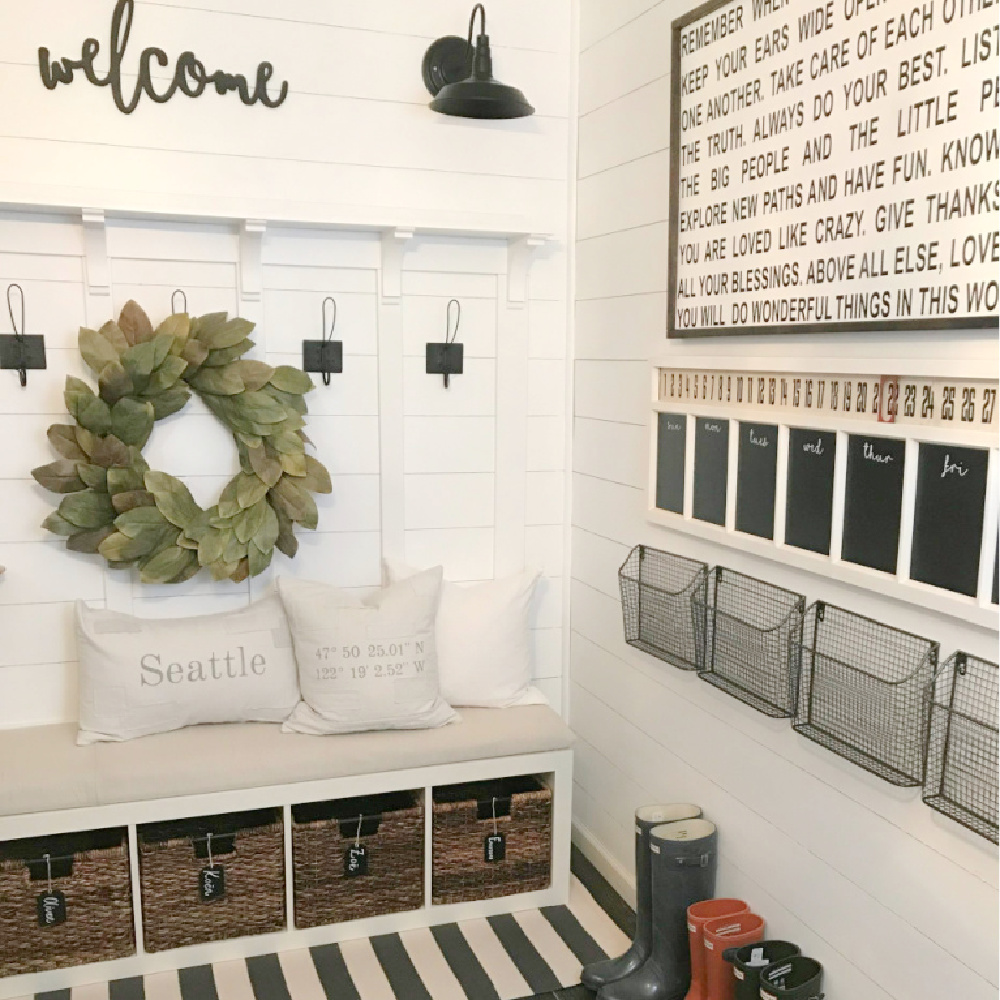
x: 887, y: 481
x: 961, y: 405
x: 834, y: 167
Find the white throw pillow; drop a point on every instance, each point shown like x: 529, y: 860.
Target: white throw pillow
x: 483, y: 640
x: 141, y: 676
x: 367, y: 664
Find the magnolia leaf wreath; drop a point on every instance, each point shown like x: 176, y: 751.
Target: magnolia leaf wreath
x: 116, y: 505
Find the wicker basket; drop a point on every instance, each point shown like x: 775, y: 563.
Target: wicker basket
x: 467, y: 816
x: 331, y: 884
x: 91, y: 870
x: 172, y: 857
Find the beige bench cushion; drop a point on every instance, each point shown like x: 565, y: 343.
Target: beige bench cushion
x: 42, y: 769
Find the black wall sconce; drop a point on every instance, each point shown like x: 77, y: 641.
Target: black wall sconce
x: 447, y: 359
x: 460, y: 78
x: 327, y: 355
x: 18, y: 352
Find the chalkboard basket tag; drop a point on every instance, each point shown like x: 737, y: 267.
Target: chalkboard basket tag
x: 211, y: 878
x: 752, y: 641
x: 962, y: 747
x: 355, y: 861
x: 495, y: 844
x: 356, y: 856
x: 495, y: 847
x: 659, y: 592
x: 51, y: 904
x: 864, y: 692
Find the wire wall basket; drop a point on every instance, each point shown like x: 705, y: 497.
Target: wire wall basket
x: 865, y: 690
x: 662, y: 594
x: 962, y: 758
x: 752, y: 641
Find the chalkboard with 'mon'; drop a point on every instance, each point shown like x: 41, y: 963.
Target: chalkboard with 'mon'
x: 874, y: 501
x: 948, y: 518
x: 809, y: 495
x: 756, y: 473
x: 711, y: 469
x: 671, y: 445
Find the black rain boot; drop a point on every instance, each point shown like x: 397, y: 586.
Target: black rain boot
x: 599, y: 974
x: 684, y: 860
x: 797, y: 978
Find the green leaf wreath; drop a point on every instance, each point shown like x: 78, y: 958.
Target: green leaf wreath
x: 116, y: 505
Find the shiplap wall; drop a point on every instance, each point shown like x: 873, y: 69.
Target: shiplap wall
x: 473, y: 477
x: 897, y: 901
x: 354, y: 141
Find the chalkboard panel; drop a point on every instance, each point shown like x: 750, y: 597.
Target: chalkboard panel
x: 809, y: 497
x: 948, y: 519
x: 671, y: 444
x: 711, y: 469
x: 874, y: 501
x: 755, y: 482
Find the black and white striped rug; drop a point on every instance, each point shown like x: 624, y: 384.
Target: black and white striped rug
x: 499, y: 958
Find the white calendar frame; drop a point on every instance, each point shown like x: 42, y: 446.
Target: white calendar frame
x: 978, y: 610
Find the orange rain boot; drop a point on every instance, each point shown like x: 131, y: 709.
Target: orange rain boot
x: 698, y: 915
x: 720, y: 935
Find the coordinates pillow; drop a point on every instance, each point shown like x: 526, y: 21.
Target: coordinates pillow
x: 483, y: 639
x: 140, y: 676
x: 368, y: 664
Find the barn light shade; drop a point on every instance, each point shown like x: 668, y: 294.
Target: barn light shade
x: 461, y: 78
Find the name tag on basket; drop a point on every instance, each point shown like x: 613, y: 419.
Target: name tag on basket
x: 495, y: 847
x: 212, y: 883
x: 51, y: 909
x: 356, y: 861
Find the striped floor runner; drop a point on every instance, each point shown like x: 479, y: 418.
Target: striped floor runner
x: 499, y: 958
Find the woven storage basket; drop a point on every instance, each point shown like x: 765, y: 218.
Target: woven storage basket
x: 463, y: 819
x: 389, y: 827
x: 92, y: 871
x: 250, y: 848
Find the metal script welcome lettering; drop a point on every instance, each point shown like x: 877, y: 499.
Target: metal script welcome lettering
x: 190, y: 75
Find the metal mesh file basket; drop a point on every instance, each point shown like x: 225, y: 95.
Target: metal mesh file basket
x: 961, y: 779
x: 864, y: 692
x: 660, y: 592
x: 752, y: 641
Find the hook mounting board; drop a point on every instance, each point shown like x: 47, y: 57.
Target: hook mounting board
x: 26, y: 352
x: 326, y: 356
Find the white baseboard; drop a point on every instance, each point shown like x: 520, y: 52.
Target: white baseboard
x: 622, y: 881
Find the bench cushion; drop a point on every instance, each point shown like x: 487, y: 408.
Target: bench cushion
x: 42, y: 769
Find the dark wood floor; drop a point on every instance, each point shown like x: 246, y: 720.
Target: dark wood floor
x: 616, y: 908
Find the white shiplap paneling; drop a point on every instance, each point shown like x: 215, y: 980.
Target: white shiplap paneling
x: 896, y: 901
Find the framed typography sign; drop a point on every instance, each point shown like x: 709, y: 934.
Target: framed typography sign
x: 834, y: 167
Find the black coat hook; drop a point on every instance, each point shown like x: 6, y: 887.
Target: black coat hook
x: 447, y: 358
x: 18, y: 352
x: 326, y: 355
x: 184, y: 298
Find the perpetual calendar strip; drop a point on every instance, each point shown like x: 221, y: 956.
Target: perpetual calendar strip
x: 965, y: 405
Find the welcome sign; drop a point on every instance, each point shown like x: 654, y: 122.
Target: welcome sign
x: 190, y: 76
x: 834, y: 167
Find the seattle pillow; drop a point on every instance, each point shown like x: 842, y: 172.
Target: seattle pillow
x: 483, y: 640
x: 141, y: 676
x: 368, y: 664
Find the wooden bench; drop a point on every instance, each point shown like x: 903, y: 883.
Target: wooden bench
x: 49, y: 785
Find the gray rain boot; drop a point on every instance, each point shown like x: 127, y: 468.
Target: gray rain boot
x: 599, y: 974
x: 684, y: 860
